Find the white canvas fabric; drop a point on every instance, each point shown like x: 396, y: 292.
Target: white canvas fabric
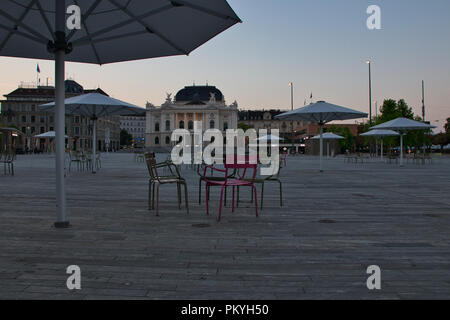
x: 96, y: 105
x: 380, y: 133
x: 403, y: 124
x: 114, y: 30
x: 328, y: 136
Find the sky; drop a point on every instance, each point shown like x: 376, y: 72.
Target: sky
x: 319, y: 45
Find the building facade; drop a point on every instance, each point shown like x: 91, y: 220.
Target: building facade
x: 265, y: 119
x: 134, y: 126
x: 21, y: 110
x: 205, y: 104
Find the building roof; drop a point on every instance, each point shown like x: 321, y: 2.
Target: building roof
x: 72, y: 89
x: 194, y: 94
x: 248, y: 115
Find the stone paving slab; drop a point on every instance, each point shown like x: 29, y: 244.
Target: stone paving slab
x: 318, y: 246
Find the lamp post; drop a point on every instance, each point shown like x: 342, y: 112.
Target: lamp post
x: 291, y: 84
x: 370, y: 92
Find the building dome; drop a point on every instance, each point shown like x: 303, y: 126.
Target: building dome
x: 195, y: 94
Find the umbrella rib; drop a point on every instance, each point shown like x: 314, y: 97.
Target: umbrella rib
x: 84, y: 17
x: 44, y: 17
x: 25, y: 35
x: 86, y: 42
x: 121, y: 24
x: 18, y: 22
x: 147, y: 27
x: 87, y: 31
x: 205, y: 10
x: 13, y: 30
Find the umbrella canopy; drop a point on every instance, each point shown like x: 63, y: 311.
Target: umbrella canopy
x: 321, y: 113
x: 270, y: 137
x: 93, y: 106
x: 380, y: 133
x: 96, y: 105
x: 46, y: 135
x: 403, y: 124
x: 113, y: 30
x: 328, y: 136
x: 104, y: 32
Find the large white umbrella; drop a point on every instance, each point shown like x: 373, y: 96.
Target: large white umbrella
x: 402, y: 125
x: 270, y: 137
x: 380, y: 134
x: 94, y: 106
x: 48, y: 135
x: 108, y: 31
x: 327, y: 136
x: 321, y: 113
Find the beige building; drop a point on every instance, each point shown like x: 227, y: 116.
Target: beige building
x: 265, y: 119
x: 21, y: 110
x: 195, y: 103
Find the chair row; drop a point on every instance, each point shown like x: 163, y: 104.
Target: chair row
x: 234, y: 175
x: 7, y: 159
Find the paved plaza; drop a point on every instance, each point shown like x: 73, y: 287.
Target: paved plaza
x: 318, y: 246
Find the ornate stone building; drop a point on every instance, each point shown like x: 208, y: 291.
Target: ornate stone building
x: 21, y: 110
x: 194, y: 103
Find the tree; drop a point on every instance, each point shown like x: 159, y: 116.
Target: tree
x: 447, y: 126
x: 126, y: 139
x: 244, y: 126
x: 441, y: 139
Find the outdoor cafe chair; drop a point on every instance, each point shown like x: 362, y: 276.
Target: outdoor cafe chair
x: 262, y: 181
x: 8, y: 162
x: 232, y: 182
x: 211, y: 177
x: 74, y: 157
x: 156, y: 180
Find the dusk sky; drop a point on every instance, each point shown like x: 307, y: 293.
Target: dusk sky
x: 320, y: 45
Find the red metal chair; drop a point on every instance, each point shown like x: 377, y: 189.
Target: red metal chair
x: 230, y: 165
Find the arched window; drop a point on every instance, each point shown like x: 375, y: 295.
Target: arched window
x: 168, y: 140
x: 168, y: 125
x: 157, y: 127
x: 191, y: 125
x: 156, y: 141
x: 181, y: 124
x: 212, y: 124
x: 225, y: 126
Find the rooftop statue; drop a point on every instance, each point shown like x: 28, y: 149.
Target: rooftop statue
x: 212, y: 97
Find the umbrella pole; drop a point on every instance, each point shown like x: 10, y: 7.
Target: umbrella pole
x: 381, y: 149
x: 61, y: 221
x: 401, y: 150
x: 94, y: 145
x: 321, y: 148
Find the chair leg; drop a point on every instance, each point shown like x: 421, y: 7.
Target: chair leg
x: 179, y: 195
x: 157, y: 200
x: 256, y: 200
x: 207, y: 199
x: 153, y: 195
x: 220, y: 203
x: 225, y: 201
x: 200, y: 191
x: 237, y: 201
x: 150, y: 195
x: 262, y: 196
x: 186, y: 197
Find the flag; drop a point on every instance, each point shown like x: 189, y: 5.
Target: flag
x: 38, y: 69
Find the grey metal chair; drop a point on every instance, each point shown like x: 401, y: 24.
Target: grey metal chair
x: 156, y: 180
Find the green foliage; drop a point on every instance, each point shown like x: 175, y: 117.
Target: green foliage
x: 126, y: 139
x: 441, y: 139
x: 346, y: 144
x: 447, y: 126
x: 391, y: 110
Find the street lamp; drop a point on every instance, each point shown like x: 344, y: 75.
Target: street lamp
x: 291, y: 84
x: 370, y: 91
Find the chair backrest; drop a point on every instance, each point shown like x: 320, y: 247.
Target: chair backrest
x: 235, y: 162
x: 150, y: 159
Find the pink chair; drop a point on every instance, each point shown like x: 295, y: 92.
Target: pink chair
x: 230, y: 165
